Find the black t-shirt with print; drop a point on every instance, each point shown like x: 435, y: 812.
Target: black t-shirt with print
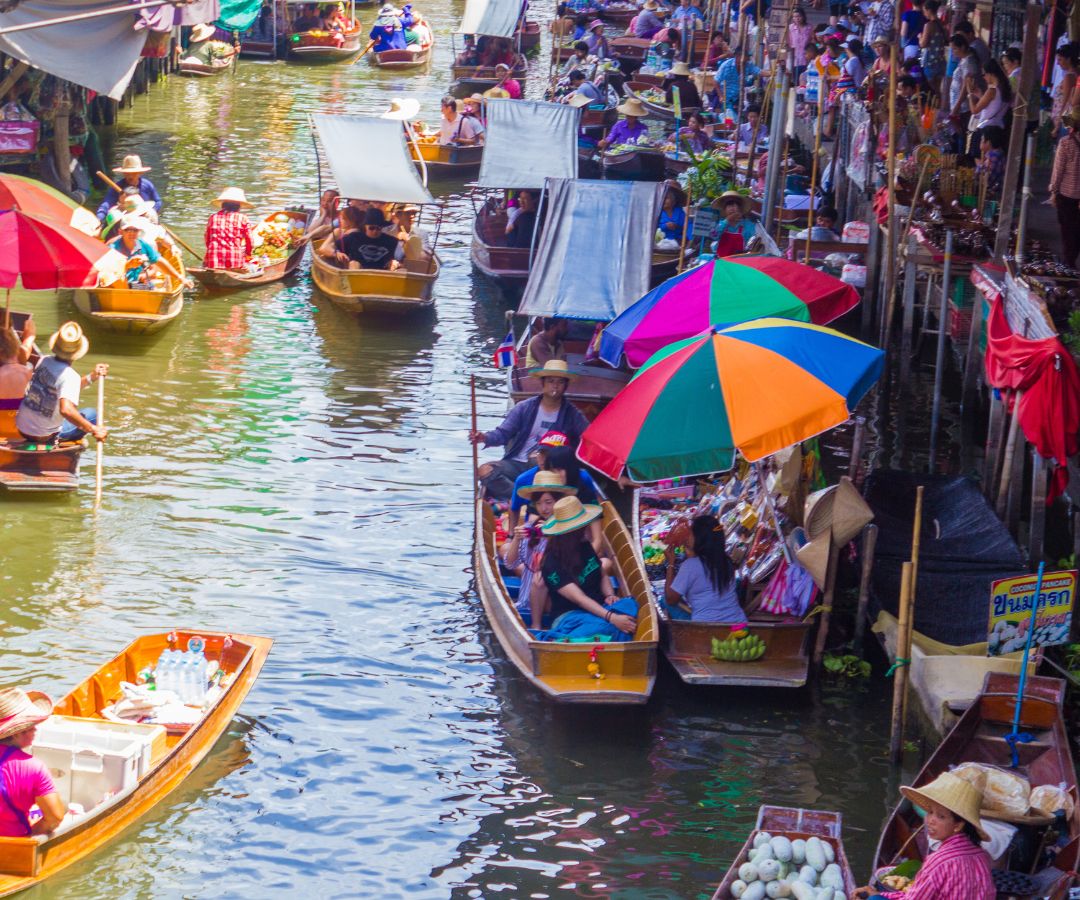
x: 587, y: 577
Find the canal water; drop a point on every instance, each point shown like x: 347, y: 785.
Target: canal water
x: 277, y: 466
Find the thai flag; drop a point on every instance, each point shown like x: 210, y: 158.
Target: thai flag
x: 505, y: 354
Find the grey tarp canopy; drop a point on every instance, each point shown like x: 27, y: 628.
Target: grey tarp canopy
x: 370, y: 160
x: 594, y: 257
x: 527, y: 141
x: 495, y: 18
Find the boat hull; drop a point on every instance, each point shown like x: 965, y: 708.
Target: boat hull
x: 198, y: 70
x: 660, y: 111
x: 127, y: 311
x: 447, y: 159
x: 22, y: 469
x: 559, y: 670
x: 402, y: 59
x: 228, y: 280
x: 374, y: 291
x: 468, y: 80
x: 634, y: 165
x: 504, y: 264
x: 306, y: 46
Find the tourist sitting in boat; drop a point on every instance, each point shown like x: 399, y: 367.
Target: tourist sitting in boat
x: 387, y: 32
x: 753, y: 129
x: 679, y: 77
x: 649, y: 21
x: 348, y: 220
x: 309, y: 19
x: 50, y: 409
x: 333, y: 18
x: 582, y: 87
x: 370, y: 247
x: 519, y: 231
x: 672, y: 219
x: 323, y: 222
x: 456, y: 128
x: 693, y: 135
x: 474, y: 109
x: 132, y: 171
x: 630, y: 129
x: 470, y: 53
x: 718, y: 51
x: 705, y: 582
x: 507, y: 82
x: 203, y: 49
x: 496, y: 51
x: 958, y: 866
x: 581, y: 60
x: 525, y: 424
x: 595, y: 41
x: 547, y: 344
x: 734, y: 232
x: 687, y: 16
x: 413, y: 241
x: 556, y: 456
x: 666, y: 49
x: 15, y: 371
x: 24, y: 780
x: 581, y: 599
x: 144, y: 260
x: 228, y: 232
x: 824, y: 229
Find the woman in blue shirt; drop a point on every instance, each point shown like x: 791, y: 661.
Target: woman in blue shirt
x: 672, y: 216
x: 706, y: 580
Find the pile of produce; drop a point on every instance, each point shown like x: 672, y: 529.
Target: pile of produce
x: 779, y: 867
x: 275, y: 238
x: 626, y: 147
x: 739, y: 646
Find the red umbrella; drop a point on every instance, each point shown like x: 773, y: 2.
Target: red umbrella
x: 38, y: 199
x: 48, y: 254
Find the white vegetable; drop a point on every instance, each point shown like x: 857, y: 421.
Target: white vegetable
x: 830, y: 853
x: 748, y: 872
x: 764, y: 852
x: 785, y: 870
x: 775, y: 889
x: 755, y: 891
x: 738, y: 888
x: 808, y: 875
x: 768, y: 869
x: 815, y: 854
x: 839, y: 895
x: 832, y: 877
x: 800, y: 890
x: 781, y: 848
x: 762, y: 837
x: 798, y: 851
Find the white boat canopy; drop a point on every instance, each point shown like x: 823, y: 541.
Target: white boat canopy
x: 527, y: 141
x: 370, y: 160
x: 495, y: 18
x: 594, y: 257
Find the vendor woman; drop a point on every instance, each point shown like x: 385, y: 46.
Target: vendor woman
x: 580, y: 596
x: 631, y: 130
x: 706, y: 580
x: 959, y: 867
x: 733, y: 232
x: 24, y: 780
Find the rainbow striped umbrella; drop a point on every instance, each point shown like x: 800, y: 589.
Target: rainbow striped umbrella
x: 756, y: 388
x: 724, y: 292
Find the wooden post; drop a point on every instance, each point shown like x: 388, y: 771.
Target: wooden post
x: 939, y: 358
x: 62, y: 142
x: 1010, y: 451
x: 916, y: 542
x: 827, y: 602
x: 900, y: 672
x: 973, y: 359
x: 869, y: 543
x: 857, y: 440
x: 995, y: 435
x: 870, y: 292
x: 1015, y: 492
x: 100, y: 463
x: 1037, y: 522
x: 909, y: 314
x: 814, y: 169
x: 891, y: 246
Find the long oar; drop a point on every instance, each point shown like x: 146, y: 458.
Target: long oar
x: 168, y: 230
x: 100, y: 444
x: 364, y: 52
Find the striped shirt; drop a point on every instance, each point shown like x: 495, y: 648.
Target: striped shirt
x: 957, y: 869
x: 1065, y: 179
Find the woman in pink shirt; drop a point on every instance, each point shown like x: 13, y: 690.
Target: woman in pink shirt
x: 24, y: 780
x: 799, y: 35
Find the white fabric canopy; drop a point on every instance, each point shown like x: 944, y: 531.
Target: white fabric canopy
x: 98, y: 53
x: 527, y: 141
x: 370, y: 160
x: 497, y: 18
x: 594, y: 257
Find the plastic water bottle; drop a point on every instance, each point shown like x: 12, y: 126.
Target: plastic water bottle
x: 165, y: 671
x: 187, y: 679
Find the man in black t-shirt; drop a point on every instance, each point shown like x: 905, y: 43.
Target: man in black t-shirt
x: 370, y: 247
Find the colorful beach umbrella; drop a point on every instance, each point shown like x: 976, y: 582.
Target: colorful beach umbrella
x: 724, y: 292
x: 754, y: 388
x: 39, y: 199
x: 48, y: 254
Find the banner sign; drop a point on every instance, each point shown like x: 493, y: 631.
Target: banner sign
x: 1010, y: 611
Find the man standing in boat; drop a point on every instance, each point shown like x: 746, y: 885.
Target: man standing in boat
x: 132, y: 171
x: 524, y: 427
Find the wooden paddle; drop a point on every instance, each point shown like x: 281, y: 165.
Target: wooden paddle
x: 168, y: 230
x: 100, y: 444
x: 364, y: 52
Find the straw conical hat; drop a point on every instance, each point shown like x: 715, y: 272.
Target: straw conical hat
x: 545, y: 482
x: 633, y: 107
x: 814, y: 557
x: 958, y: 796
x: 20, y: 709
x: 132, y: 164
x: 403, y: 109
x: 839, y: 508
x: 232, y: 195
x: 201, y: 32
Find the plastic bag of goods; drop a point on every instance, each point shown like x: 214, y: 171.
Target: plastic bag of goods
x: 853, y: 275
x: 856, y: 233
x: 1003, y: 792
x: 1049, y: 798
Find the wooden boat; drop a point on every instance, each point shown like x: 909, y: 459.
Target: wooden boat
x: 528, y: 38
x: 488, y: 254
x: 226, y: 279
x: 166, y: 762
x: 560, y: 670
x: 324, y: 46
x: 412, y: 57
x: 630, y: 52
x: 477, y: 79
x: 598, y: 116
x: 979, y: 736
x: 131, y: 311
x: 199, y: 70
x: 643, y: 164
x: 447, y: 160
x: 592, y: 389
x: 407, y: 290
x: 619, y: 12
x: 792, y: 824
x: 663, y: 111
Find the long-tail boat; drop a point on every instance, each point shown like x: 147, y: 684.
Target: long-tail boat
x: 348, y: 141
x: 495, y: 20
x: 1045, y: 758
x: 319, y: 46
x: 636, y: 164
x: 194, y: 69
x: 411, y: 57
x: 664, y: 112
x: 230, y: 279
x: 446, y: 160
x: 561, y: 670
x: 794, y: 824
x: 166, y: 759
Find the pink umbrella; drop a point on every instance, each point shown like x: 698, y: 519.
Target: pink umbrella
x: 47, y: 254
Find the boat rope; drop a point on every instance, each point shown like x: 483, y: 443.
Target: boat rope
x: 820, y: 608
x: 900, y: 661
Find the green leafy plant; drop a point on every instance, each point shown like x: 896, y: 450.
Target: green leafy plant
x: 1072, y: 336
x: 1067, y: 562
x: 708, y: 177
x: 846, y: 666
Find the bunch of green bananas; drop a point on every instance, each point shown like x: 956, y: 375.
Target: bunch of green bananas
x: 739, y: 646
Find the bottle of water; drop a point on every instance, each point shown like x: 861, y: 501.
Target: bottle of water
x: 187, y: 678
x: 166, y: 671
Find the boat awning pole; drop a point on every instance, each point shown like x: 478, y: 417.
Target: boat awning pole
x: 82, y: 17
x: 536, y: 225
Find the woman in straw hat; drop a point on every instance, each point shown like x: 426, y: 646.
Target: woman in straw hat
x: 53, y: 393
x: 228, y: 232
x: 630, y: 129
x: 957, y: 866
x: 581, y: 598
x: 648, y: 22
x: 734, y: 232
x: 678, y: 76
x: 132, y: 172
x: 25, y: 780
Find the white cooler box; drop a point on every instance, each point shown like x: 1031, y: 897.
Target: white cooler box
x: 91, y: 759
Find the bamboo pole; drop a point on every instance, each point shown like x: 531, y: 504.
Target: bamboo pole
x: 939, y: 360
x: 814, y: 170
x: 1010, y: 451
x: 892, y: 247
x: 100, y: 463
x: 869, y: 543
x: 916, y: 544
x: 685, y: 228
x: 900, y: 672
x: 827, y: 601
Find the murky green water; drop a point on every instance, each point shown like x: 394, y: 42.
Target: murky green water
x: 282, y: 468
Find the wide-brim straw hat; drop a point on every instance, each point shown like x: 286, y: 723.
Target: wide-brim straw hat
x: 546, y: 483
x: 744, y: 201
x: 632, y: 107
x: 232, y: 195
x: 21, y: 709
x: 680, y: 68
x: 839, y: 509
x: 594, y: 23
x: 497, y: 93
x: 958, y: 796
x: 132, y: 220
x: 402, y: 109
x: 580, y: 100
x: 68, y: 342
x: 569, y: 515
x: 132, y: 165
x: 134, y: 205
x: 554, y: 368
x: 202, y: 32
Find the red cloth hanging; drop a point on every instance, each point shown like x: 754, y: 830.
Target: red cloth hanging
x: 1046, y: 373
